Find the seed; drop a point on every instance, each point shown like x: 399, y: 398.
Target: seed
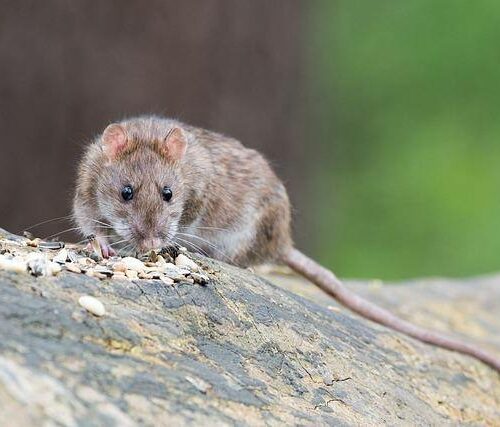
x: 61, y: 256
x: 33, y: 243
x: 133, y: 263
x: 86, y: 262
x: 200, y: 278
x: 167, y: 280
x: 72, y: 267
x: 144, y: 275
x: 160, y: 261
x: 28, y: 235
x: 131, y: 274
x: 72, y: 256
x: 119, y: 266
x: 12, y: 265
x: 183, y: 261
x: 51, y: 245
x: 103, y: 270
x: 153, y: 256
x: 38, y: 265
x: 92, y: 305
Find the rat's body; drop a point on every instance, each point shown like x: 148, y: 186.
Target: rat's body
x: 157, y: 181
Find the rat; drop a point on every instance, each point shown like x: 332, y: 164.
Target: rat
x: 155, y: 182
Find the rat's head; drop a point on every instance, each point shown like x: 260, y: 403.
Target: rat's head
x: 140, y: 188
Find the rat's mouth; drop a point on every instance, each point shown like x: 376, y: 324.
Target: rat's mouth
x: 150, y: 243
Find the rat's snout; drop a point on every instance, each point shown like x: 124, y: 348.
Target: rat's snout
x: 146, y: 238
x: 149, y: 243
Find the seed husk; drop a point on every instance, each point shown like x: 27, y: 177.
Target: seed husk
x: 51, y: 245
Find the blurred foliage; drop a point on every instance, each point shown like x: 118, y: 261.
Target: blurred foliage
x: 406, y: 113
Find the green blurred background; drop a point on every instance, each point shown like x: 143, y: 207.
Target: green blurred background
x: 405, y: 111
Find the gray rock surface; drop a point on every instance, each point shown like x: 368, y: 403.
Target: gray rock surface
x: 237, y: 351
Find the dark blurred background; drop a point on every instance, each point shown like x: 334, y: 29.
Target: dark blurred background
x: 381, y: 117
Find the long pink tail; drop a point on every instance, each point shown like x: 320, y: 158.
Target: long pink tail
x: 329, y: 283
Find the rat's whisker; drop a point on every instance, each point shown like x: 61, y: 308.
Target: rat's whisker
x: 118, y: 242
x: 211, y: 245
x: 208, y: 243
x: 199, y: 238
x: 61, y: 232
x: 196, y: 227
x: 125, y: 248
x: 49, y: 220
x: 100, y: 222
x: 191, y: 244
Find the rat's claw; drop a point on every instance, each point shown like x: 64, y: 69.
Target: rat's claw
x: 106, y: 249
x: 101, y: 247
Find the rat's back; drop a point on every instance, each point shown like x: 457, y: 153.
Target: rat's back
x: 235, y: 209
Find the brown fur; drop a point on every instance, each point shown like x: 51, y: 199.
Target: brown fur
x: 220, y: 190
x: 227, y: 203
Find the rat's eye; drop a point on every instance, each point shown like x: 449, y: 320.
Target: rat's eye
x: 127, y: 193
x: 166, y: 193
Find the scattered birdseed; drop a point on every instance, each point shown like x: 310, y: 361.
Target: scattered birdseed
x: 49, y: 258
x: 92, y: 305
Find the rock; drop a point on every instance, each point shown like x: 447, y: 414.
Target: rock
x: 238, y: 351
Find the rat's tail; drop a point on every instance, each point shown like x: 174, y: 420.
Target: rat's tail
x: 329, y: 283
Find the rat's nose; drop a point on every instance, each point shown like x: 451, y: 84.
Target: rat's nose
x: 149, y: 243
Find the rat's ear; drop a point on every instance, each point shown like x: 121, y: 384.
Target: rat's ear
x: 174, y: 145
x: 114, y: 140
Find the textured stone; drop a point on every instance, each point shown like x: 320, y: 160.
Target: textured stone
x: 237, y: 351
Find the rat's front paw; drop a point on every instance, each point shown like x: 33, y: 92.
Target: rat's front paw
x: 101, y: 246
x: 106, y: 249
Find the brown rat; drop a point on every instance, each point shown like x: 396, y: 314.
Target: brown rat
x: 156, y: 181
